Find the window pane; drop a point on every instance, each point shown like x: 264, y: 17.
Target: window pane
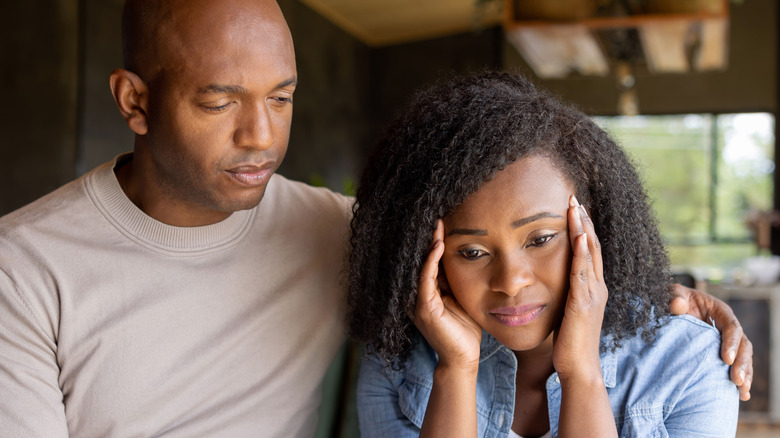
x: 703, y: 201
x: 672, y: 154
x: 746, y: 147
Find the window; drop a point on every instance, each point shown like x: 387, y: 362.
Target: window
x: 706, y: 175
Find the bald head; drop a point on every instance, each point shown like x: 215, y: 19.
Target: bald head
x: 156, y: 33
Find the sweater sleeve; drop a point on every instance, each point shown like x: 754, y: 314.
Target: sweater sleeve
x: 32, y: 401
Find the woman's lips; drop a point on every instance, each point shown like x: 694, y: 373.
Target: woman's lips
x: 252, y: 176
x: 516, y: 316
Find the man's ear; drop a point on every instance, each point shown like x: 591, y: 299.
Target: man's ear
x: 131, y: 96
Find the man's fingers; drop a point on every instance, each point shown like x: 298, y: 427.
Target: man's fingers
x: 731, y: 337
x: 743, y: 363
x: 744, y: 389
x: 679, y: 305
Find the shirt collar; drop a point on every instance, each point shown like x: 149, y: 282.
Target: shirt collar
x: 490, y: 346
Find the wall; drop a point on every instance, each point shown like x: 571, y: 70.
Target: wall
x: 397, y: 71
x: 330, y: 128
x: 38, y: 82
x: 103, y: 133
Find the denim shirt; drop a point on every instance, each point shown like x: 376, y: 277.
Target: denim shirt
x: 674, y: 386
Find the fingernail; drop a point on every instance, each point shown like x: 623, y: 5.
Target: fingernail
x: 574, y: 198
x: 732, y: 355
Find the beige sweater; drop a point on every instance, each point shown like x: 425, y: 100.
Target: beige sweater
x: 113, y: 324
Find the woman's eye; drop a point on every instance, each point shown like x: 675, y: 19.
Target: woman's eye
x: 542, y: 240
x: 471, y: 254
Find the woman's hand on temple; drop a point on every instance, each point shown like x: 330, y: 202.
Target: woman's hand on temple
x: 442, y: 321
x: 735, y: 348
x: 576, y: 351
x: 585, y: 407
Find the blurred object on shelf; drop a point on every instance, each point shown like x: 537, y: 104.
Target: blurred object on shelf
x: 763, y: 269
x: 761, y: 222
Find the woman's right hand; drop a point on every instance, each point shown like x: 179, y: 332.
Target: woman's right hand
x: 442, y: 321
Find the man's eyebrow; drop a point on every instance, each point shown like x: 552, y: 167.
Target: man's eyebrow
x: 286, y: 83
x: 516, y: 224
x: 222, y: 89
x: 238, y: 89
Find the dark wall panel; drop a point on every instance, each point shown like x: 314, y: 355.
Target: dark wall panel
x: 39, y: 88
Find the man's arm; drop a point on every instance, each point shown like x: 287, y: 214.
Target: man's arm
x: 31, y: 404
x: 735, y: 348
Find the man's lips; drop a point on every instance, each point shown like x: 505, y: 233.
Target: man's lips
x: 252, y: 175
x: 516, y: 316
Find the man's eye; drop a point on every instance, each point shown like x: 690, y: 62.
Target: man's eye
x: 217, y: 108
x: 471, y: 254
x: 283, y: 100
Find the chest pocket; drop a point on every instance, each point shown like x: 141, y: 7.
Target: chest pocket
x: 646, y: 422
x: 413, y: 397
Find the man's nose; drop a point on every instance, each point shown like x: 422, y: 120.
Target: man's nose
x: 254, y: 128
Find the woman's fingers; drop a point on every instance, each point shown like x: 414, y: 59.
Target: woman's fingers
x: 594, y: 246
x: 578, y: 283
x: 428, y: 293
x: 591, y: 271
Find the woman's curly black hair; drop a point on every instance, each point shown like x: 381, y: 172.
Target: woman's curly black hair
x: 452, y: 139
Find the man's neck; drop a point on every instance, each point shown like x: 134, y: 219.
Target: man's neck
x: 168, y: 212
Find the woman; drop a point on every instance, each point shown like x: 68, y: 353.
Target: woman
x: 493, y: 304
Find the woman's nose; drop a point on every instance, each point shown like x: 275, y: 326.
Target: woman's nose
x: 510, y: 275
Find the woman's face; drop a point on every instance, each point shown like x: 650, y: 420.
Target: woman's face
x: 507, y: 253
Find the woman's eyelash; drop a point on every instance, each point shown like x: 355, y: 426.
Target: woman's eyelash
x: 542, y: 240
x: 471, y: 254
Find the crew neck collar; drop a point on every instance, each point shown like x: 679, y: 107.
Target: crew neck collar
x: 108, y: 195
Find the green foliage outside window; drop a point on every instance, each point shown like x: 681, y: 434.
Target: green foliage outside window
x: 704, y: 173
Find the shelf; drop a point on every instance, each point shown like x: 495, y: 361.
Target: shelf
x: 668, y: 42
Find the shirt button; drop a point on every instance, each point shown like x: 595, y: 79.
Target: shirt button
x: 557, y: 380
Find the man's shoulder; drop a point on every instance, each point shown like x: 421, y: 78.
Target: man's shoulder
x: 305, y: 196
x: 54, y: 204
x: 280, y: 182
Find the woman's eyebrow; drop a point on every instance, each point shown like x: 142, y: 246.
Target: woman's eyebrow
x: 467, y: 232
x: 535, y: 217
x: 516, y: 224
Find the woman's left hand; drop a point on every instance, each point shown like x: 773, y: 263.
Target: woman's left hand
x: 576, y: 350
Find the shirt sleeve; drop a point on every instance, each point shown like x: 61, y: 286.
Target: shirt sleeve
x: 379, y: 409
x: 709, y: 404
x: 31, y: 404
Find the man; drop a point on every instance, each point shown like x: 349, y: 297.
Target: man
x: 182, y: 290
x: 154, y: 296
